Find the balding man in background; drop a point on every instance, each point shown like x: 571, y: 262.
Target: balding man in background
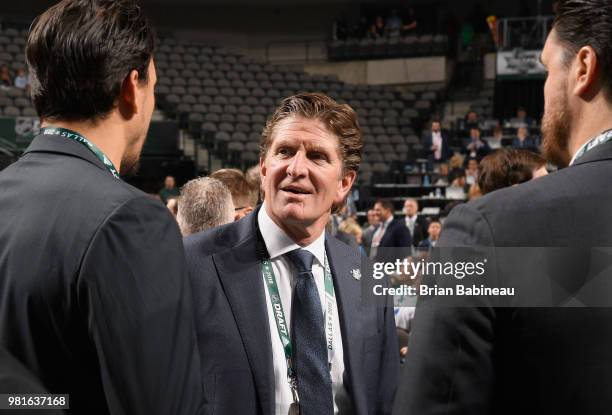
x: 204, y: 203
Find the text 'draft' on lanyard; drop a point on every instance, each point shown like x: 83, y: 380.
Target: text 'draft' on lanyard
x: 72, y: 135
x: 281, y: 320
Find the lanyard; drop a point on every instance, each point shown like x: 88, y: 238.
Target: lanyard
x: 281, y: 321
x: 63, y: 132
x: 592, y: 143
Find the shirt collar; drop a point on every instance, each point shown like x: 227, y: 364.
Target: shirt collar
x: 278, y: 243
x: 592, y: 143
x: 388, y: 221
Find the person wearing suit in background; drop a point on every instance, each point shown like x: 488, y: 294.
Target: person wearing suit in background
x: 436, y: 145
x: 261, y: 284
x: 368, y: 230
x: 391, y: 235
x: 94, y: 297
x: 416, y: 224
x: 551, y: 359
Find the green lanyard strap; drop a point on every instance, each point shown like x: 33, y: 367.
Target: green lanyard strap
x: 281, y: 321
x: 63, y: 132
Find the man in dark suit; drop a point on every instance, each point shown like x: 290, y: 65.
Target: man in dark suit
x: 504, y: 356
x: 94, y: 298
x: 416, y: 224
x: 392, y: 239
x: 436, y: 145
x: 475, y: 147
x: 260, y: 284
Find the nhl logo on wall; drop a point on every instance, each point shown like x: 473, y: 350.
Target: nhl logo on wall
x: 356, y: 273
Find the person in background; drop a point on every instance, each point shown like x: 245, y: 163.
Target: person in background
x: 410, y: 22
x: 523, y: 140
x: 521, y: 119
x: 377, y: 29
x: 476, y: 147
x: 170, y: 191
x: 253, y: 177
x: 369, y: 229
x: 5, y: 76
x: 415, y: 223
x: 351, y: 227
x: 442, y: 175
x: 436, y: 144
x: 393, y: 24
x: 495, y: 141
x: 433, y: 232
x: 391, y: 233
x: 509, y: 167
x: 204, y: 203
x: 21, y: 79
x: 244, y: 193
x: 471, y: 171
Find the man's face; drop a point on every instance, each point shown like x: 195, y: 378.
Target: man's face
x: 521, y: 114
x: 169, y: 182
x: 522, y: 133
x: 435, y: 127
x: 472, y: 165
x: 557, y: 119
x: 434, y: 230
x: 145, y: 104
x: 302, y: 173
x: 382, y: 213
x: 372, y: 217
x: 410, y: 208
x: 475, y: 134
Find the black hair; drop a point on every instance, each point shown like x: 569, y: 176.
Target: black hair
x: 581, y: 23
x: 79, y: 53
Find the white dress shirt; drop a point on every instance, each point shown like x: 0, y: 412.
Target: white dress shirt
x: 378, y: 235
x: 278, y: 243
x: 437, y: 141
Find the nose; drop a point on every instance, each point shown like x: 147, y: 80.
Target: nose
x: 297, y: 167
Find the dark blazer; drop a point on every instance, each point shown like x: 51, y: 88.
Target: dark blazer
x: 234, y: 334
x: 94, y: 299
x: 397, y: 235
x: 495, y: 357
x: 420, y: 230
x: 528, y: 144
x: 428, y: 142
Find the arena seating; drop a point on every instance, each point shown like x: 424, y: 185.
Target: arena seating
x: 387, y: 48
x: 226, y: 97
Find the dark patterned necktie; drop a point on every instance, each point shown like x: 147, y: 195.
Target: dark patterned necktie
x: 308, y: 338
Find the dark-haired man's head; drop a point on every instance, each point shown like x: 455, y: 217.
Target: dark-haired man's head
x: 383, y: 209
x: 435, y: 126
x: 508, y: 167
x: 90, y: 63
x: 578, y: 58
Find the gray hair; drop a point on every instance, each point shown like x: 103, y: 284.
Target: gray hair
x: 204, y: 203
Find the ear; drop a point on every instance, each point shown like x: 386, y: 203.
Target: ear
x: 128, y: 103
x: 585, y: 71
x: 344, y: 185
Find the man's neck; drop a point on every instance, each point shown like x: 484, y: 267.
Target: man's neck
x: 300, y: 233
x: 593, y: 120
x: 106, y: 135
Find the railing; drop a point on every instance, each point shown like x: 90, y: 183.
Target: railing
x: 298, y: 51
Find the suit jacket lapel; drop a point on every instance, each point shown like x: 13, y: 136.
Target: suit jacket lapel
x: 239, y: 270
x: 342, y: 261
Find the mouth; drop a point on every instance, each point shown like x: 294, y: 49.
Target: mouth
x: 295, y: 190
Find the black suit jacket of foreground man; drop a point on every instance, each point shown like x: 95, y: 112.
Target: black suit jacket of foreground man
x: 94, y: 300
x: 234, y: 333
x: 514, y: 360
